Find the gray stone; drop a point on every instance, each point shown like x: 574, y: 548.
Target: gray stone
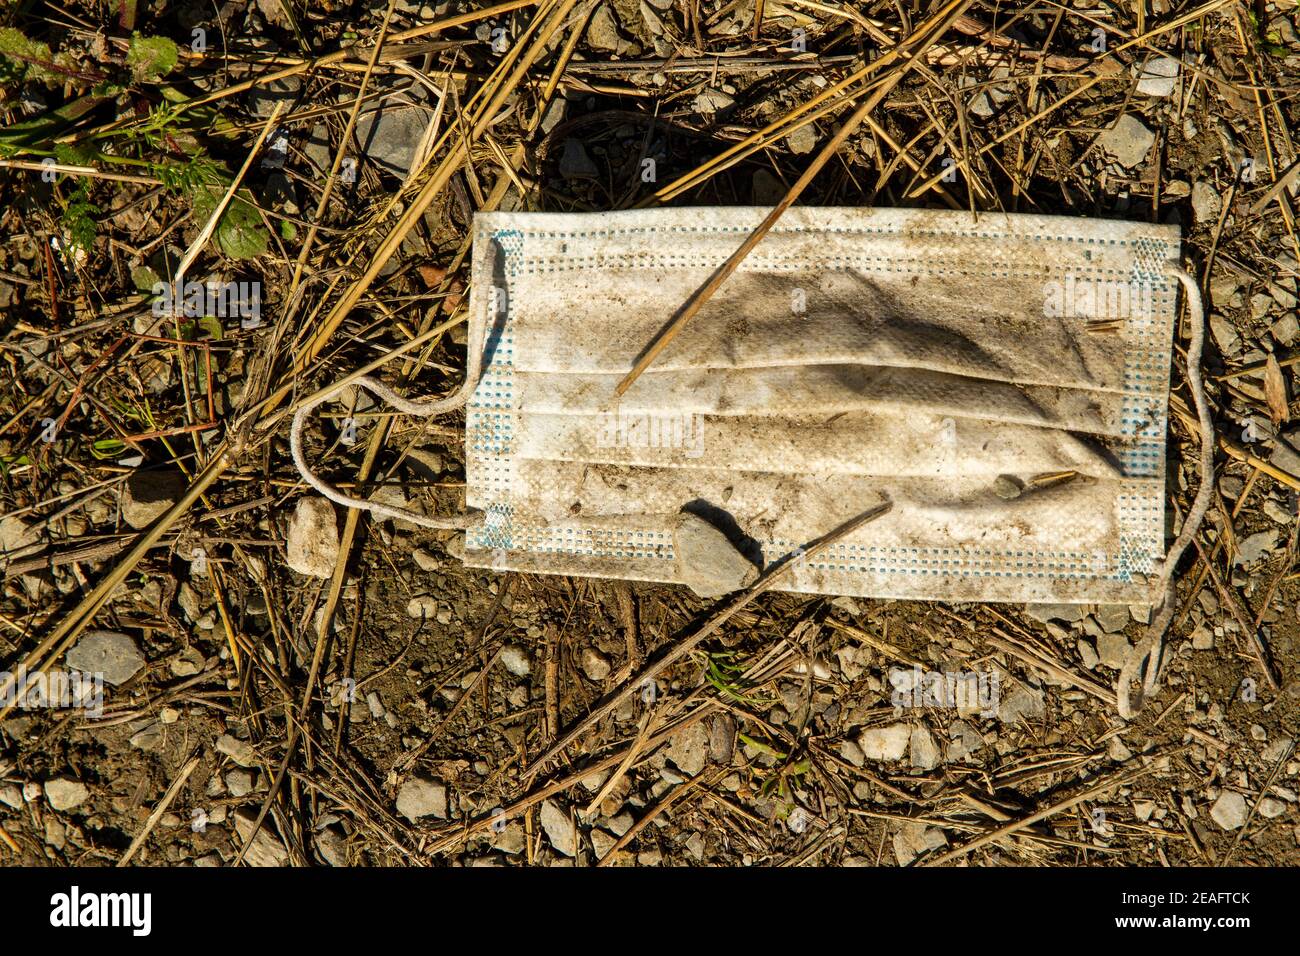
x: 1008, y: 487
x: 147, y: 494
x: 389, y: 137
x: 924, y: 751
x: 966, y: 740
x: 108, y: 653
x: 426, y: 463
x: 851, y: 752
x: 706, y: 561
x: 240, y: 751
x: 1112, y: 617
x: 319, y: 149
x: 1021, y: 702
x: 885, y: 743
x: 1229, y: 811
x: 1286, y: 329
x: 1261, y: 304
x: 15, y: 535
x: 1271, y: 808
x: 713, y: 101
x: 189, y: 601
x: 1256, y: 546
x: 1113, y: 650
x: 515, y: 660
x: 265, y: 849
x: 559, y: 828
x: 602, y: 843
x: 1129, y: 141
x: 148, y: 737
x: 56, y: 833
x: 992, y: 96
x: 422, y: 607
x: 1088, y: 654
x: 594, y: 665
x: 425, y: 560
x: 332, y: 846
x: 64, y: 794
x: 1117, y: 750
x: 688, y: 749
x: 510, y: 840
x: 1205, y: 203
x: 241, y: 782
x: 265, y: 96
x: 1158, y: 77
x: 1224, y: 334
x: 602, y: 32
x: 312, y: 545
x: 421, y: 797
x: 803, y: 140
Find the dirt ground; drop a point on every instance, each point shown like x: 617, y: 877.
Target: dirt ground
x: 369, y: 700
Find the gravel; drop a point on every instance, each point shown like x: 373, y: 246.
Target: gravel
x: 594, y: 665
x: 420, y: 797
x: 109, y: 653
x: 559, y: 828
x: 1158, y: 77
x: 925, y: 752
x: 515, y: 659
x: 885, y: 743
x: 706, y: 561
x: 1229, y: 811
x: 147, y: 494
x: 688, y: 749
x: 63, y: 794
x: 240, y: 751
x: 312, y: 547
x: 1129, y: 141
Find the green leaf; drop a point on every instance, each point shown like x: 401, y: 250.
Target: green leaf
x: 107, y: 447
x: 240, y: 234
x: 211, y: 325
x: 21, y: 58
x: 144, y: 278
x: 151, y: 57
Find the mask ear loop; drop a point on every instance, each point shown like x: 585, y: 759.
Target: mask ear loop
x: 424, y: 409
x: 1149, y: 649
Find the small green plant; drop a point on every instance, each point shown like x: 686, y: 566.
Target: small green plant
x: 240, y: 233
x: 25, y: 59
x: 723, y: 671
x: 79, y: 215
x: 151, y: 57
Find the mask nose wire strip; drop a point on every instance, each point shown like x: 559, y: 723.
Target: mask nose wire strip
x: 1149, y: 648
x: 424, y: 409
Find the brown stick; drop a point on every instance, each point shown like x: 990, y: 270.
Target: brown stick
x: 1108, y: 784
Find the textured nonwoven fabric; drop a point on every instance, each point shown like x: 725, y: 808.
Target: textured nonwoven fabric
x: 1002, y: 380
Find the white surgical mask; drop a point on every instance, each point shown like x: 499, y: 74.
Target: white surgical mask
x: 1002, y: 381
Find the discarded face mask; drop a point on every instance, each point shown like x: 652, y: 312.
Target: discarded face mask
x: 1002, y: 382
